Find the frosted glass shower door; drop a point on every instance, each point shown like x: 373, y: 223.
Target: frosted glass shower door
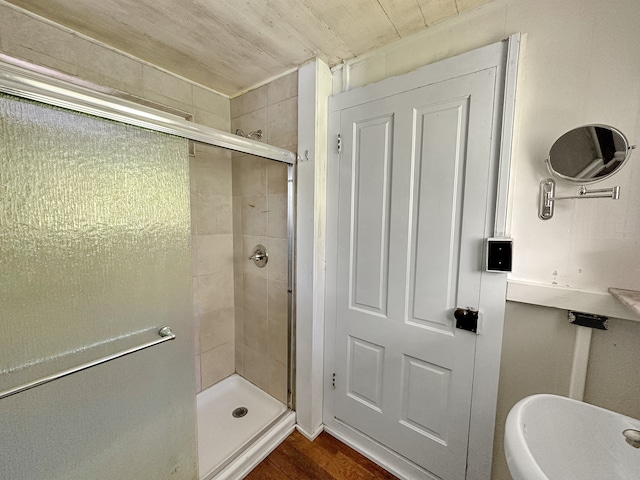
x: 94, y: 259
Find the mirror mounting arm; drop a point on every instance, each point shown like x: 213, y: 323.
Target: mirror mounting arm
x: 547, y: 196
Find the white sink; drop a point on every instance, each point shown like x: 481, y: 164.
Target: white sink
x: 548, y: 437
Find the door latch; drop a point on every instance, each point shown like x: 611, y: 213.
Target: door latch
x: 467, y: 319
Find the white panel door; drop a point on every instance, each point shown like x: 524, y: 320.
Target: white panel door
x: 413, y: 198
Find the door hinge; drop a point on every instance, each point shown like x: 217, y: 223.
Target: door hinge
x: 333, y: 380
x: 339, y: 144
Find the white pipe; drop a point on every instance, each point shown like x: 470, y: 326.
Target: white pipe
x: 580, y: 362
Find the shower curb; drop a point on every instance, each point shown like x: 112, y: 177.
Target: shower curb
x: 249, y: 459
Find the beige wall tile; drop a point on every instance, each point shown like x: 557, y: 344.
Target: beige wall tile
x: 110, y: 68
x: 160, y: 83
x: 277, y: 176
x: 278, y: 344
x: 168, y: 101
x: 240, y: 359
x: 249, y: 102
x: 211, y: 102
x: 198, y: 375
x: 213, y: 292
x: 216, y: 328
x: 278, y: 259
x: 256, y: 368
x: 213, y: 120
x: 237, y: 215
x: 283, y: 123
x: 278, y: 321
x: 249, y: 175
x: 277, y: 216
x: 278, y: 300
x: 211, y: 170
x: 239, y: 322
x: 214, y: 254
x: 238, y: 259
x: 38, y: 42
x: 278, y: 380
x: 213, y: 214
x: 194, y: 291
x: 217, y: 364
x: 283, y: 88
x: 196, y: 333
x: 193, y: 207
x: 256, y: 299
x: 256, y: 331
x: 254, y: 215
x: 192, y: 175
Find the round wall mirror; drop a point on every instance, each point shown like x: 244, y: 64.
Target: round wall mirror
x: 588, y: 154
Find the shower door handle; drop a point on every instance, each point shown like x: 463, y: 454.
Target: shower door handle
x: 165, y: 333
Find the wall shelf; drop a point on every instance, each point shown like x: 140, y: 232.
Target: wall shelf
x: 599, y: 303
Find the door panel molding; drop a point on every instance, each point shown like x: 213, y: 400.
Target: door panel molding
x: 368, y: 278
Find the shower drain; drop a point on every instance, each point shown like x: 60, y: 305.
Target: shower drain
x: 240, y: 412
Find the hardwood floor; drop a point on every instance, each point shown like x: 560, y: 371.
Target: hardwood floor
x: 326, y: 458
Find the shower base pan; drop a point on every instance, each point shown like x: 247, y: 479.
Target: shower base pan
x: 238, y: 426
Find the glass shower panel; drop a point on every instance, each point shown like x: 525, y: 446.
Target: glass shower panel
x: 95, y: 258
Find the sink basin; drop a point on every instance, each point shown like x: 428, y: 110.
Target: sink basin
x: 548, y: 437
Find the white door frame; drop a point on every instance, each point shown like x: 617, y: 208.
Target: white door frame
x: 502, y: 56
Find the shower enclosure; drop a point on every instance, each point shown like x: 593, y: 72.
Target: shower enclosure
x: 242, y: 206
x: 96, y: 264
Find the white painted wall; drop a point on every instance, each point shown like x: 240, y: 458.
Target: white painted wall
x: 579, y: 64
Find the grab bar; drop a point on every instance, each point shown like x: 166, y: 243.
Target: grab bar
x: 164, y: 332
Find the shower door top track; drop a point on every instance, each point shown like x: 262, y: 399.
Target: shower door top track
x: 22, y: 82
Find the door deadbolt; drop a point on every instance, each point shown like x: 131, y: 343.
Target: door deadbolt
x: 466, y: 319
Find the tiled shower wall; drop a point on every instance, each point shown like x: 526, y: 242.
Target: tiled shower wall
x: 212, y: 251
x: 260, y: 217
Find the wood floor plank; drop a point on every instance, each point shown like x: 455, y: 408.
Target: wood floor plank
x: 326, y: 458
x: 266, y: 470
x: 344, y: 467
x: 373, y: 468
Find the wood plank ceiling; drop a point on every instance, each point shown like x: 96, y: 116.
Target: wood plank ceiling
x: 231, y: 45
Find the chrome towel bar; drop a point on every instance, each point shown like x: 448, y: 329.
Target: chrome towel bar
x: 165, y: 335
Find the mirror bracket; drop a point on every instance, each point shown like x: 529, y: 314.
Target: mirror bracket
x: 548, y: 198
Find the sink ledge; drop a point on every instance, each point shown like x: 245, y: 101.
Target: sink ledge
x: 629, y: 298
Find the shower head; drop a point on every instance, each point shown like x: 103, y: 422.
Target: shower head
x: 252, y: 135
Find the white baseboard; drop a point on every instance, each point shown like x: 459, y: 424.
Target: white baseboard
x: 310, y: 436
x: 257, y: 452
x: 377, y: 453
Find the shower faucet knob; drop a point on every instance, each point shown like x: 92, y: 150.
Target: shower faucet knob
x: 259, y: 256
